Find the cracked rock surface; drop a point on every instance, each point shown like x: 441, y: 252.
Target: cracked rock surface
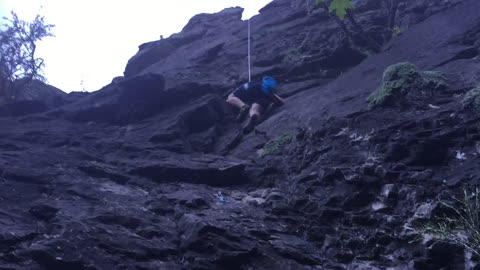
x: 150, y: 172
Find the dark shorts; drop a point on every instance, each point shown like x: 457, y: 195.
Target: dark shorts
x: 251, y: 96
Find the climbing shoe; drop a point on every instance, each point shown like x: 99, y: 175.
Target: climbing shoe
x: 252, y: 122
x: 242, y: 113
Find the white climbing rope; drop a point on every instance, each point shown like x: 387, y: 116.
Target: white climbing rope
x: 249, y: 69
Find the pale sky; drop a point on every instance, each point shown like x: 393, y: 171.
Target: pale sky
x: 95, y: 38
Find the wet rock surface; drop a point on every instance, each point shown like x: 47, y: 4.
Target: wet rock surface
x: 137, y: 176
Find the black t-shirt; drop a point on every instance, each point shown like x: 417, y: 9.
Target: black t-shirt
x: 252, y: 92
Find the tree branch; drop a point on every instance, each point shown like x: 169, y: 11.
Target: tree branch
x: 372, y: 44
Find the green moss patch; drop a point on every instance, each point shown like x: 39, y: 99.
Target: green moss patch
x: 275, y: 144
x: 400, y: 80
x: 472, y: 99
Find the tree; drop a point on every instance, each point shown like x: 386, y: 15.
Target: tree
x: 340, y: 7
x: 18, y: 44
x: 392, y: 7
x: 344, y: 9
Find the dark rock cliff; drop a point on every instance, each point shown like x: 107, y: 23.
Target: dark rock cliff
x: 32, y: 97
x: 150, y: 172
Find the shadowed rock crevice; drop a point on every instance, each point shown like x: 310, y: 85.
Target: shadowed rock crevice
x: 210, y: 170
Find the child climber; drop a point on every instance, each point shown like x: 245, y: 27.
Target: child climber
x: 253, y: 98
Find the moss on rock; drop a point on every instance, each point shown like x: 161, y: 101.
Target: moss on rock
x: 275, y: 144
x: 402, y: 78
x: 472, y: 99
x: 433, y: 80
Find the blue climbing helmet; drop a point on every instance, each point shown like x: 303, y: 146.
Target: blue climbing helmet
x: 268, y: 84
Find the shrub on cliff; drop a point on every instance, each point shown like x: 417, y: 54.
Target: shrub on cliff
x: 18, y: 43
x: 462, y: 226
x: 403, y: 79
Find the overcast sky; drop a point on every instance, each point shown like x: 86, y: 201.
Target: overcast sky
x: 95, y: 38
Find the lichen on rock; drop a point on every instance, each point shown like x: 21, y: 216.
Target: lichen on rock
x: 402, y: 79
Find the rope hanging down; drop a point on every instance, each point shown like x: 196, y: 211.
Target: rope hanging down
x: 249, y: 70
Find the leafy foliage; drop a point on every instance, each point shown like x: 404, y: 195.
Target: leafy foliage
x: 339, y: 7
x: 18, y: 64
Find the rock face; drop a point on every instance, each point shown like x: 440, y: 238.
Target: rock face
x: 33, y: 97
x: 151, y: 172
